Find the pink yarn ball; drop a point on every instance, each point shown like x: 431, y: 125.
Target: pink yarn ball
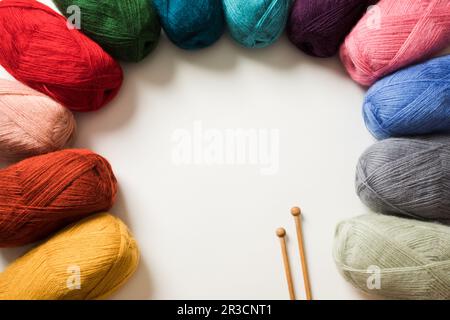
x: 393, y: 35
x: 31, y: 123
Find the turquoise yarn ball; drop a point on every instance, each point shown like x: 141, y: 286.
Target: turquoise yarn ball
x: 191, y: 24
x: 256, y: 23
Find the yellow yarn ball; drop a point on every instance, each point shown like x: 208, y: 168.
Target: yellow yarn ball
x: 87, y: 260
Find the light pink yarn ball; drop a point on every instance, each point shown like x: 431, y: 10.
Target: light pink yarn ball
x: 393, y: 35
x: 31, y: 123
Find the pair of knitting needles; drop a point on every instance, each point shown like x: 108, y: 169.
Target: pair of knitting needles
x: 281, y: 233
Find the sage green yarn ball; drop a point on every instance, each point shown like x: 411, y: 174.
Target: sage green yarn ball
x: 412, y: 257
x: 127, y: 29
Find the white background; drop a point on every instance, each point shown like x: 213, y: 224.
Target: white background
x: 208, y: 232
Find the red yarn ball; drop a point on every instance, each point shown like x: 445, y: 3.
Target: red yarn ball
x: 42, y: 194
x: 38, y: 49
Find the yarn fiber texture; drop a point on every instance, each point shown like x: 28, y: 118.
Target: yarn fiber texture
x: 97, y: 254
x: 256, y: 23
x: 38, y: 49
x: 191, y: 24
x: 413, y: 257
x: 318, y: 28
x: 31, y: 123
x: 128, y: 30
x: 399, y: 34
x: 411, y: 101
x: 42, y: 194
x: 407, y: 177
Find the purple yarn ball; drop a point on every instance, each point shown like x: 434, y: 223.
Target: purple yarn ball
x: 318, y: 27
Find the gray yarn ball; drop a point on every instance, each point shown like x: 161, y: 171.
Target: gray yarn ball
x: 407, y: 177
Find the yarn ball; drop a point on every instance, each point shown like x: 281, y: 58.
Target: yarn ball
x: 411, y: 101
x: 395, y: 35
x: 318, y: 28
x: 191, y: 24
x: 256, y: 23
x: 394, y: 257
x: 31, y: 123
x: 38, y: 49
x: 128, y: 30
x: 407, y: 177
x: 42, y: 194
x: 87, y: 260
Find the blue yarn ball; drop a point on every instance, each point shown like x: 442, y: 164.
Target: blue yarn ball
x: 256, y: 23
x: 191, y: 24
x: 412, y: 101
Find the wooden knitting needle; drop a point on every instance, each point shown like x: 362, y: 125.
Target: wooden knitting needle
x: 281, y: 233
x: 296, y: 212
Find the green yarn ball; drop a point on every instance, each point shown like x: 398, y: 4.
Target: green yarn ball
x: 127, y: 29
x: 394, y: 257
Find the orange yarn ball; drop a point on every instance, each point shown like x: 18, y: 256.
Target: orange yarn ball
x: 40, y: 195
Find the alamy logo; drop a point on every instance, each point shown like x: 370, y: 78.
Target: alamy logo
x: 374, y: 280
x: 200, y: 146
x: 74, y: 18
x: 373, y: 21
x: 74, y: 280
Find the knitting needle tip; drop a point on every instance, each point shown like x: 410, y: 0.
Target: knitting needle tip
x: 295, y: 211
x: 281, y: 232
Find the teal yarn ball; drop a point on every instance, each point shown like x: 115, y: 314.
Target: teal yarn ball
x: 191, y: 24
x: 256, y: 23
